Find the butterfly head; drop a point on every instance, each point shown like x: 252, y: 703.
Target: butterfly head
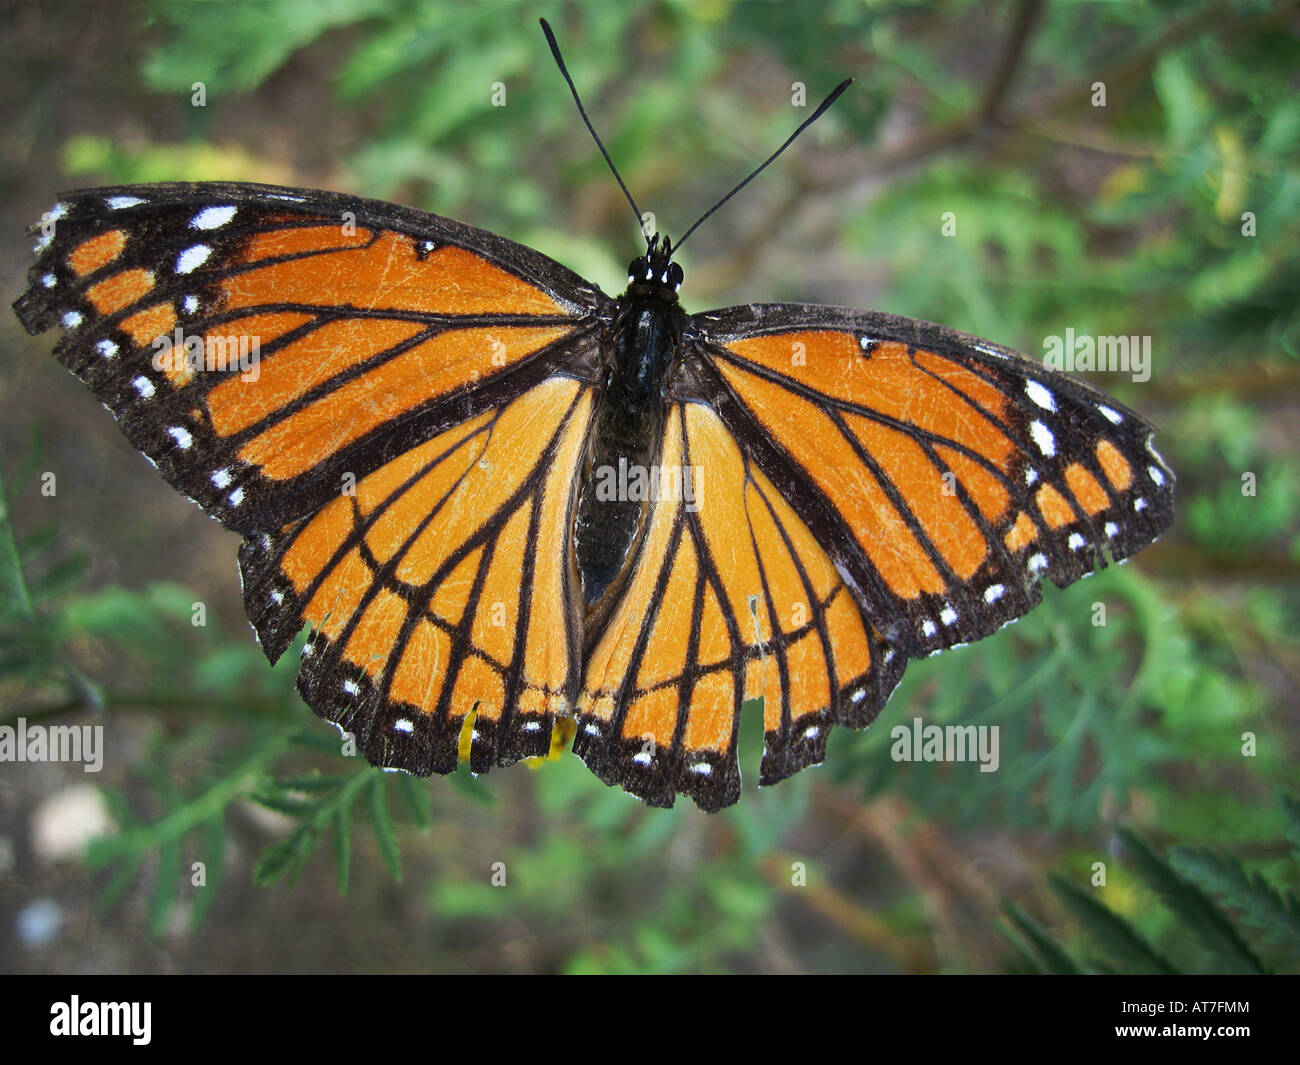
x: 655, y: 270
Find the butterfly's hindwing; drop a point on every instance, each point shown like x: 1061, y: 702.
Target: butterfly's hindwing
x: 440, y: 588
x: 731, y: 599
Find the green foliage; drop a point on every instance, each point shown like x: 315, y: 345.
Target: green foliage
x: 1072, y: 738
x: 1187, y: 884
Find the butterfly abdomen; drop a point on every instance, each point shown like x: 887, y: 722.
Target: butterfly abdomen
x: 614, y: 495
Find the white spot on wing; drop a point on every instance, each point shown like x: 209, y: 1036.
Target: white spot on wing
x: 928, y: 628
x: 116, y: 203
x: 1113, y: 416
x: 948, y: 616
x: 1076, y: 541
x: 1040, y: 395
x: 144, y: 386
x: 212, y: 218
x: 1112, y: 529
x: 49, y: 280
x: 72, y: 319
x: 106, y: 348
x: 181, y: 435
x: 350, y: 686
x: 236, y: 497
x: 993, y: 593
x: 703, y: 769
x: 221, y: 477
x: 1038, y: 562
x: 192, y: 258
x: 1043, y: 438
x: 1156, y: 475
x: 403, y: 724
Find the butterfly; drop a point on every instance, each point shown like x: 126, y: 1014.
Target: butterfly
x: 499, y: 498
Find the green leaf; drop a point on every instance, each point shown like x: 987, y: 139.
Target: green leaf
x: 418, y: 800
x: 288, y: 857
x: 382, y: 822
x: 1197, y: 913
x: 343, y: 847
x: 1057, y: 960
x: 235, y: 47
x: 214, y: 860
x: 1274, y: 915
x: 1291, y: 813
x: 1108, y: 930
x: 166, y: 885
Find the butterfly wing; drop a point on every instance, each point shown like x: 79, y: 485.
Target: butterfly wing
x: 943, y: 474
x: 260, y: 344
x: 388, y: 405
x: 732, y: 598
x: 441, y: 586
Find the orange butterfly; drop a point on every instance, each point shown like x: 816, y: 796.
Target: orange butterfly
x: 498, y: 496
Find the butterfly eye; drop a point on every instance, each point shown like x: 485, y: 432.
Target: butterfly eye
x: 675, y: 276
x: 636, y: 269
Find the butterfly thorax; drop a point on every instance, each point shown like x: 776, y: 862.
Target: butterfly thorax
x: 641, y: 351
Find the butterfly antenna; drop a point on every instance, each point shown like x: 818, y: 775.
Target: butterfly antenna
x: 559, y: 60
x: 835, y: 95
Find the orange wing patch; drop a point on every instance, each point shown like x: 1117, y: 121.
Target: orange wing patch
x: 1118, y: 471
x: 376, y: 271
x: 145, y: 326
x: 852, y: 487
x: 97, y: 252
x: 120, y: 290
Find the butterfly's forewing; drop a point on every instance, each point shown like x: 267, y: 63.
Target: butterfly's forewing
x: 398, y: 446
x: 944, y: 475
x: 732, y: 598
x: 320, y: 335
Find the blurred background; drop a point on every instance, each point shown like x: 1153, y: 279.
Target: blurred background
x: 1116, y: 169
